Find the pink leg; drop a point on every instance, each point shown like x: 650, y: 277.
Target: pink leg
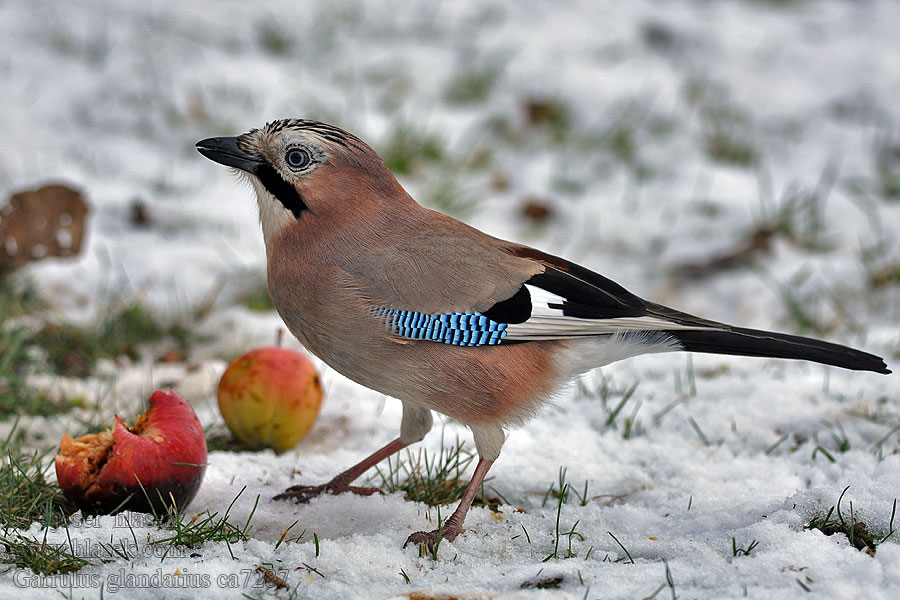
x: 341, y: 482
x: 453, y: 526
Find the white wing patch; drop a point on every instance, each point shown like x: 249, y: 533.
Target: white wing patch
x: 548, y: 322
x: 541, y: 300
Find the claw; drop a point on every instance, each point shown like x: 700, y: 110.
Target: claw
x: 301, y: 494
x: 431, y: 539
x: 452, y: 527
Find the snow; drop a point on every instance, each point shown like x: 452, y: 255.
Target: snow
x: 111, y: 97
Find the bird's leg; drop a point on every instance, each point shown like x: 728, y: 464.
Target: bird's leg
x: 415, y: 424
x: 341, y: 482
x: 452, y: 527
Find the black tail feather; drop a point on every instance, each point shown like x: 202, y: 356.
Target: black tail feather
x: 751, y: 342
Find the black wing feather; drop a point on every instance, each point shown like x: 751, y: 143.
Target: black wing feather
x: 515, y: 309
x: 600, y: 298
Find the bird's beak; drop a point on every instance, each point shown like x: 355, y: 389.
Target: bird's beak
x: 225, y: 151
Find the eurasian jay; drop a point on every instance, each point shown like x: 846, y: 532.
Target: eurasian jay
x: 423, y: 308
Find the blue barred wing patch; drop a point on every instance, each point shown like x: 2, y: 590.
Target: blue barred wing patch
x: 457, y: 328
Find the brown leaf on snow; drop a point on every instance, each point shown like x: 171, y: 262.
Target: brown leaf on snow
x: 41, y: 223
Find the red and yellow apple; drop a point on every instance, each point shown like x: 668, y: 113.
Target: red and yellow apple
x: 161, y: 458
x: 270, y: 397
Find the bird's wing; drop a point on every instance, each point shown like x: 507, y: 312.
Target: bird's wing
x: 452, y: 284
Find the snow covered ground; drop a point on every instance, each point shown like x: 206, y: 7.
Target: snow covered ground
x: 657, y: 134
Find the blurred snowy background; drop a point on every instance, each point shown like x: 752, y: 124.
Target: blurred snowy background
x: 739, y: 160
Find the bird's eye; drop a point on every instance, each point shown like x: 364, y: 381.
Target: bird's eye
x: 297, y: 158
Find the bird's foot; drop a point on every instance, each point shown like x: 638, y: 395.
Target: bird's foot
x: 301, y: 494
x: 430, y: 540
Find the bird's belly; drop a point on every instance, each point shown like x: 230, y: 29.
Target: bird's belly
x: 478, y: 385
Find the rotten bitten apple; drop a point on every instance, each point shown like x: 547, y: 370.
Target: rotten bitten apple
x: 146, y: 467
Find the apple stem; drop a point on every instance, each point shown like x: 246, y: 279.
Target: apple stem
x: 279, y: 336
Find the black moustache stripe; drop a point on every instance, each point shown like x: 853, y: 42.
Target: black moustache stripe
x: 289, y: 197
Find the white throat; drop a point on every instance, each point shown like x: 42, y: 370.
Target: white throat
x: 273, y: 216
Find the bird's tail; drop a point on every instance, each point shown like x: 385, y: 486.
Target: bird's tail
x: 752, y: 342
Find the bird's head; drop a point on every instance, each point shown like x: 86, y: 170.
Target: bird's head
x: 304, y: 169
